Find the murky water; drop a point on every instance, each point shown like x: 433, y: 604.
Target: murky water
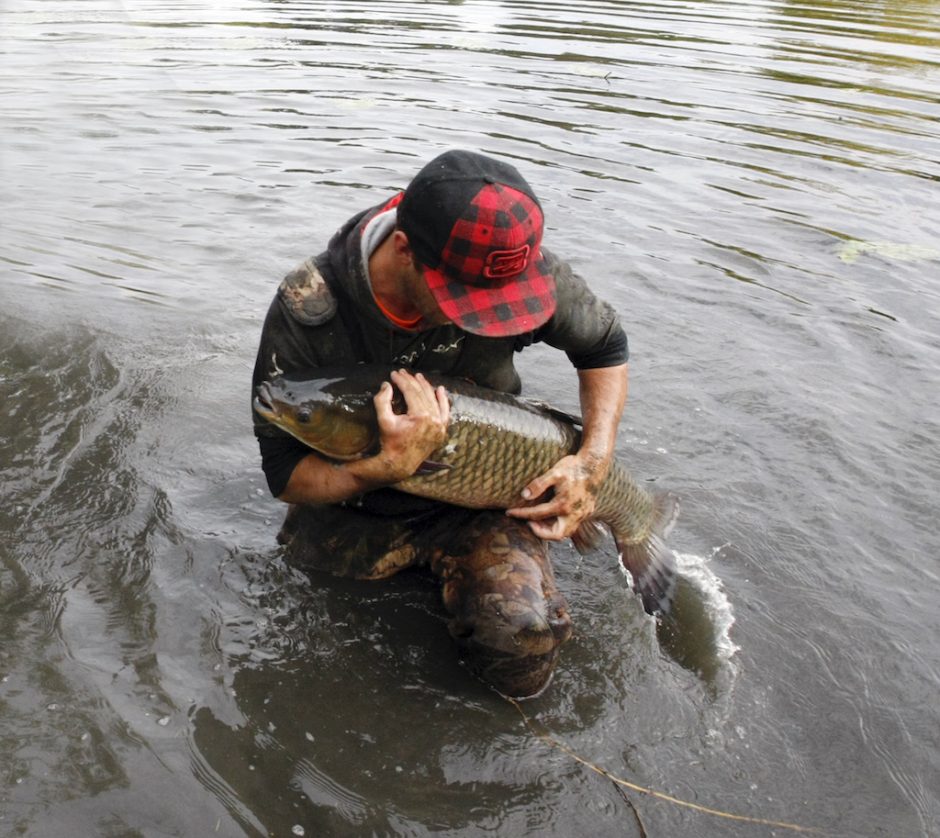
x: 752, y: 185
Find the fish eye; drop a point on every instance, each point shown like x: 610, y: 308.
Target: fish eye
x: 303, y: 415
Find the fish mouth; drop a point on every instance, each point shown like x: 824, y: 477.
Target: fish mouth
x: 264, y: 402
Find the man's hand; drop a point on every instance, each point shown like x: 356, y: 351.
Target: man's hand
x: 407, y: 439
x: 556, y: 503
x: 563, y: 497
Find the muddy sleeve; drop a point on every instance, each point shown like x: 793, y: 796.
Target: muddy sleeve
x: 583, y: 326
x: 284, y: 348
x: 279, y: 458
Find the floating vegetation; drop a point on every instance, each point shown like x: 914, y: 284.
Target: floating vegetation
x: 897, y: 251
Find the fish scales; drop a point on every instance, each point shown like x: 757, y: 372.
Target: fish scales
x: 493, y: 449
x: 496, y: 444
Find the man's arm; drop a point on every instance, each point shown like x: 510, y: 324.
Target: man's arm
x: 574, y: 479
x: 406, y: 440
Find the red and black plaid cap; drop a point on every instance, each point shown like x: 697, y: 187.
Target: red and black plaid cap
x: 476, y: 227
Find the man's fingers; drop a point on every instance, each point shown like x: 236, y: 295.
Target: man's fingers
x: 539, y: 486
x: 383, y: 402
x: 533, y: 513
x: 417, y: 390
x: 443, y: 404
x: 407, y: 384
x: 421, y: 397
x: 551, y: 529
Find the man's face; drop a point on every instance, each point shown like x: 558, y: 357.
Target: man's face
x: 423, y: 299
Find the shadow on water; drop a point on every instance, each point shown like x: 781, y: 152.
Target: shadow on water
x: 350, y: 703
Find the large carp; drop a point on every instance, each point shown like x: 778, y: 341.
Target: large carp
x: 496, y: 444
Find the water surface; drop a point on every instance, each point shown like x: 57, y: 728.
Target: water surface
x: 752, y: 185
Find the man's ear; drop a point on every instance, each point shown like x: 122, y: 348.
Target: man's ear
x: 402, y: 247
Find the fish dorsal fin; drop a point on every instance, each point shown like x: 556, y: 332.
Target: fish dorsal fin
x: 557, y: 413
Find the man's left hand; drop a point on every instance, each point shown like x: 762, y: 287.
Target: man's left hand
x: 562, y: 498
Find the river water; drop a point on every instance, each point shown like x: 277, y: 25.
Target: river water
x: 753, y: 185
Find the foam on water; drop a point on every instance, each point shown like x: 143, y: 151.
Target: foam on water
x: 696, y: 569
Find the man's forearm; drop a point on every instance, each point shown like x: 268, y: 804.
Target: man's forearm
x: 406, y: 439
x: 315, y: 480
x: 603, y: 393
x: 574, y: 480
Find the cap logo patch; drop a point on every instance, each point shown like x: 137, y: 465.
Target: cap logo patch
x: 501, y: 264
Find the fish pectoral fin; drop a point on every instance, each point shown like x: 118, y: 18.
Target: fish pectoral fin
x: 431, y: 467
x: 588, y: 536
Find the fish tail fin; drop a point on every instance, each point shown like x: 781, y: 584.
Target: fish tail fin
x: 650, y: 562
x: 588, y: 536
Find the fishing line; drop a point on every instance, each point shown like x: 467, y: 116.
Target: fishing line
x: 620, y: 782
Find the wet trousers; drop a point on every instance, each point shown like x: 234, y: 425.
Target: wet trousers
x: 505, y: 611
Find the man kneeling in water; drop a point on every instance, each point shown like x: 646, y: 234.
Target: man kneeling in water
x: 448, y: 276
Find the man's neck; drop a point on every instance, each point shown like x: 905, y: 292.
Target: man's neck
x: 387, y: 288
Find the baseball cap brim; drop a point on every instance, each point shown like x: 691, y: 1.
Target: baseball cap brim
x: 497, y: 309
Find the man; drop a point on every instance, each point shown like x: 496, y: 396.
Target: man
x: 448, y: 276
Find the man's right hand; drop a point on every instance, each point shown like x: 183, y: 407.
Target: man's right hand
x: 407, y: 439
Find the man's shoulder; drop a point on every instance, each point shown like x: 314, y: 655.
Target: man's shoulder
x: 306, y: 296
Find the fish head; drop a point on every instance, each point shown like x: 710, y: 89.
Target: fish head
x: 334, y: 422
